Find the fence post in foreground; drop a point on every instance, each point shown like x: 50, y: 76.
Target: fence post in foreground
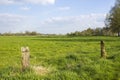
x: 103, y: 52
x: 25, y: 58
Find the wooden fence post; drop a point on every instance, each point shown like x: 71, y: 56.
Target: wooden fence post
x: 25, y: 58
x: 103, y: 52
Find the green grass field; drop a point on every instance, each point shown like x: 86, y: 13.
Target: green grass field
x: 64, y: 58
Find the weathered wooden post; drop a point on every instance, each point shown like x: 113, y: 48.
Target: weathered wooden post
x: 103, y: 52
x: 25, y: 57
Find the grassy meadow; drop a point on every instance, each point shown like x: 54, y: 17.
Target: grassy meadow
x: 60, y: 58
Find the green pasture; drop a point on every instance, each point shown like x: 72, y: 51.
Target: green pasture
x: 67, y: 58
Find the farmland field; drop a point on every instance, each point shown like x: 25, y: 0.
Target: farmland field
x: 62, y: 58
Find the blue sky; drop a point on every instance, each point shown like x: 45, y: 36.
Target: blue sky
x: 52, y: 16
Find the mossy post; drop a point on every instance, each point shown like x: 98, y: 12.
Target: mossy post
x: 103, y: 52
x: 25, y: 58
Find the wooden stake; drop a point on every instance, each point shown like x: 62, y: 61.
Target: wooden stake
x: 103, y: 52
x: 25, y: 58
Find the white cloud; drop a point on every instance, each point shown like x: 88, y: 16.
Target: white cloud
x: 17, y: 23
x: 82, y: 19
x: 72, y: 23
x: 5, y: 17
x: 11, y: 22
x: 6, y: 1
x: 64, y: 8
x: 42, y: 2
x: 25, y: 8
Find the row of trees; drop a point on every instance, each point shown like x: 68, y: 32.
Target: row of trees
x: 106, y: 31
x: 26, y: 33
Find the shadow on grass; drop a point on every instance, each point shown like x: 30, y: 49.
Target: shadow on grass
x: 114, y: 56
x: 76, y: 39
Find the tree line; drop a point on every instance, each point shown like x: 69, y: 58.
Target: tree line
x: 26, y: 33
x: 88, y: 32
x: 105, y: 31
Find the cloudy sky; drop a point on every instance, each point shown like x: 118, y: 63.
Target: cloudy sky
x: 52, y: 16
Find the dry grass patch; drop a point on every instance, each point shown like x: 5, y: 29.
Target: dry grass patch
x: 40, y: 70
